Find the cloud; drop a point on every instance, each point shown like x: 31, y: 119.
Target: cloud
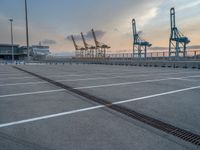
x: 2, y: 17
x: 152, y: 17
x: 190, y: 5
x: 195, y: 47
x: 152, y: 13
x: 76, y: 37
x: 116, y: 30
x: 48, y: 42
x: 99, y: 34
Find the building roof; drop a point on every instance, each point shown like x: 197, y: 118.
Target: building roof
x: 39, y: 46
x: 8, y: 45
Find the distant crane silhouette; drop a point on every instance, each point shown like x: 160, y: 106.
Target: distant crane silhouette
x: 89, y: 49
x: 100, y: 47
x: 177, y: 41
x: 139, y: 44
x: 79, y: 51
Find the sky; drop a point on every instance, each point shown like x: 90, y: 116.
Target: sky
x: 51, y: 22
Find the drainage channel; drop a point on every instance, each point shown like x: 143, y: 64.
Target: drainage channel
x: 165, y: 127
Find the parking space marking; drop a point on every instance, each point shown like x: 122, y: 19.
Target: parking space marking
x: 157, y: 95
x: 130, y: 83
x: 122, y: 83
x: 197, y: 76
x: 71, y: 75
x: 96, y: 86
x: 184, y: 79
x: 15, y: 78
x: 31, y: 93
x: 23, y: 83
x: 86, y: 79
x: 50, y: 116
x: 12, y: 73
x: 94, y: 107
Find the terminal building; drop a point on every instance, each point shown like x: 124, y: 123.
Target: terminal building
x: 6, y: 52
x: 39, y: 52
x: 20, y: 53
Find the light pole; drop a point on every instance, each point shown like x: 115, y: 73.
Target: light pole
x: 11, y: 27
x: 27, y: 35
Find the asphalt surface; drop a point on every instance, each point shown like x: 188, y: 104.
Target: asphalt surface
x: 35, y: 114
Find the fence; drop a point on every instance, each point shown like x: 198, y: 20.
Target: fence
x: 191, y: 55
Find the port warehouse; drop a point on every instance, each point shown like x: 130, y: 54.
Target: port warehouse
x: 20, y: 52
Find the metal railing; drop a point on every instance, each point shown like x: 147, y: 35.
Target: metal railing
x: 164, y: 55
x: 191, y: 55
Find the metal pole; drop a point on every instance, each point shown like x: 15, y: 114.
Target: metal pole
x: 27, y: 34
x: 11, y: 21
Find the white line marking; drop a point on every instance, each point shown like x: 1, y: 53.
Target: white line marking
x: 70, y: 75
x: 17, y: 78
x: 50, y: 116
x: 114, y: 77
x: 23, y: 83
x: 86, y: 79
x: 116, y: 73
x: 31, y: 93
x: 96, y: 86
x: 184, y: 79
x: 122, y: 83
x: 12, y: 74
x: 142, y: 74
x: 157, y: 95
x: 93, y: 108
x: 195, y: 76
x: 130, y: 83
x: 71, y: 80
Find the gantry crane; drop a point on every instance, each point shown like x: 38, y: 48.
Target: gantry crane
x: 177, y: 41
x: 139, y: 44
x: 100, y: 47
x: 89, y: 49
x: 79, y: 51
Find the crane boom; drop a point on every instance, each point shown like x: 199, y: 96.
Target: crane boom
x: 95, y: 39
x: 134, y: 27
x: 135, y: 34
x: 84, y: 42
x: 75, y: 45
x: 79, y: 50
x: 172, y: 18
